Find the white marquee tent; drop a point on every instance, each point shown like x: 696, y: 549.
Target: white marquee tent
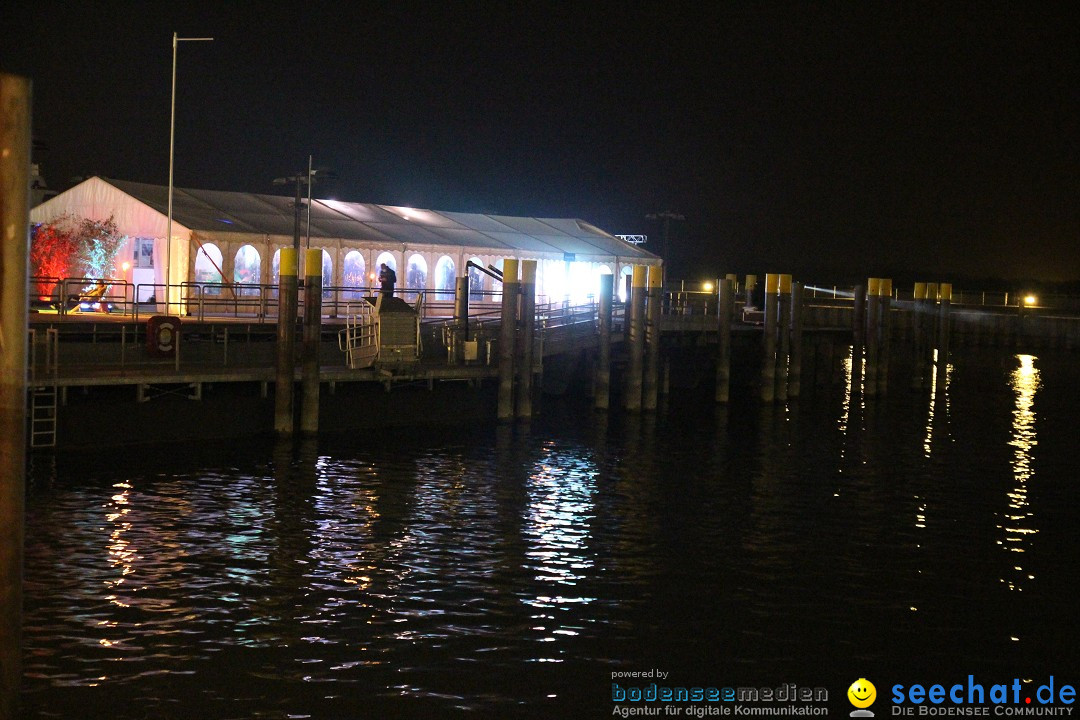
x: 234, y: 237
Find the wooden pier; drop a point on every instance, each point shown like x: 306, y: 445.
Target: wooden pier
x: 628, y: 351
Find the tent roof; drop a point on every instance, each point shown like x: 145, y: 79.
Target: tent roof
x: 218, y: 211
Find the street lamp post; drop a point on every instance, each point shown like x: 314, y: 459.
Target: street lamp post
x: 667, y: 216
x: 307, y: 177
x: 172, y: 138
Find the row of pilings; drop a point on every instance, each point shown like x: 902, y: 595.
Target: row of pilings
x: 873, y: 336
x: 641, y: 328
x: 285, y: 423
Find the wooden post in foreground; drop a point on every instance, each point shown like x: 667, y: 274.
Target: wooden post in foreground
x: 14, y: 251
x: 284, y: 390
x: 309, y: 379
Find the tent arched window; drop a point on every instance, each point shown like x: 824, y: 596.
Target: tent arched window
x: 416, y: 272
x: 246, y: 269
x: 353, y: 275
x: 444, y: 278
x: 208, y: 268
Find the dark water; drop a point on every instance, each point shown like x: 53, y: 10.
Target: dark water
x: 917, y: 538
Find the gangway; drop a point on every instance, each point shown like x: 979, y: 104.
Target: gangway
x: 359, y: 339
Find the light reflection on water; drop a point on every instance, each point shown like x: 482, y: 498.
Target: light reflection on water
x: 510, y: 570
x: 1017, y: 523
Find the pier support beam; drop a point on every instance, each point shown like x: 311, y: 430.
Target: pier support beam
x: 284, y: 389
x: 726, y: 309
x: 632, y: 396
x: 653, y: 297
x: 507, y: 336
x: 768, y: 360
x: 14, y: 251
x: 602, y: 394
x: 309, y: 410
x: 527, y: 322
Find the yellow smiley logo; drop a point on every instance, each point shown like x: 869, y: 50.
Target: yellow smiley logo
x: 862, y: 693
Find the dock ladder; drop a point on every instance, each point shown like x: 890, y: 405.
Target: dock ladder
x: 43, y: 391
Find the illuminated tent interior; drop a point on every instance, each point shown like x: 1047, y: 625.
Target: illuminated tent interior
x: 223, y: 236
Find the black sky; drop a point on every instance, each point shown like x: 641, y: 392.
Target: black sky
x: 832, y: 141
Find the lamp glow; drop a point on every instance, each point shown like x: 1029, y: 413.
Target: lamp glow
x: 1030, y: 299
x: 707, y: 287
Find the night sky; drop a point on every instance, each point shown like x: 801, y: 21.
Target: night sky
x: 900, y: 140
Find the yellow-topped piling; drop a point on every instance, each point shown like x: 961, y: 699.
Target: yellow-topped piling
x: 309, y: 376
x: 783, y: 338
x: 635, y: 371
x: 507, y: 338
x: 284, y: 391
x: 768, y: 360
x: 527, y: 321
x: 653, y: 298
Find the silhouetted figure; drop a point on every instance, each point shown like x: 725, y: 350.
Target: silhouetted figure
x: 387, y: 278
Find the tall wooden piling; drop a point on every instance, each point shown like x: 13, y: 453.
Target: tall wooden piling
x: 461, y: 319
x: 284, y: 389
x: 14, y: 251
x: 636, y: 346
x: 873, y: 320
x: 884, y: 334
x: 858, y: 335
x: 726, y: 305
x: 918, y: 339
x: 748, y: 290
x: 309, y: 376
x: 527, y: 324
x: 768, y: 359
x: 653, y: 298
x: 796, y: 355
x: 602, y: 393
x: 944, y: 307
x: 783, y: 336
x: 507, y: 336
